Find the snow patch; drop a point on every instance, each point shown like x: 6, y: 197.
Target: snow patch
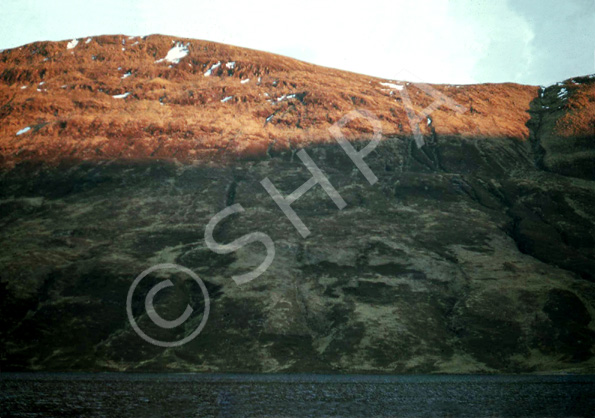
x: 231, y: 65
x: 24, y: 130
x: 23, y: 87
x: 88, y: 40
x: 210, y: 70
x: 284, y: 97
x: 175, y: 54
x: 72, y: 44
x: 121, y: 96
x: 128, y: 74
x: 245, y: 81
x: 563, y: 93
x: 392, y: 86
x: 226, y: 99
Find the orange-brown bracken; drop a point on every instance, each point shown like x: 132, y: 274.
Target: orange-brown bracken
x: 173, y: 110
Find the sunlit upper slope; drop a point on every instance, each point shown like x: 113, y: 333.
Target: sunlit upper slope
x: 166, y: 97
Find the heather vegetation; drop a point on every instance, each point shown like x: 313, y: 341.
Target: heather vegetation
x: 120, y: 97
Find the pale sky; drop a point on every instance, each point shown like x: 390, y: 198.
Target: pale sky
x: 439, y: 41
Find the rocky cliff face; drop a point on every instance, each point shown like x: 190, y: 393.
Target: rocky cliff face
x: 473, y: 253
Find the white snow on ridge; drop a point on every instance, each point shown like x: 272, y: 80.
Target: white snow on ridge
x: 226, y: 99
x: 563, y: 93
x: 24, y: 130
x: 175, y: 54
x: 210, y: 70
x: 72, y: 44
x: 88, y: 40
x: 121, y: 96
x: 231, y: 65
x: 392, y: 86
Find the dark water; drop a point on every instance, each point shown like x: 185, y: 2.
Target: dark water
x: 192, y: 395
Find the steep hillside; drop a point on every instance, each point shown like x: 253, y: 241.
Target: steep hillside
x: 472, y: 253
x: 160, y: 97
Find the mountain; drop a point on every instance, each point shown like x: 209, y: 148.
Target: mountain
x: 467, y: 247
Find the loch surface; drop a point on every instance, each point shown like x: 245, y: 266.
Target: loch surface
x: 231, y: 395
